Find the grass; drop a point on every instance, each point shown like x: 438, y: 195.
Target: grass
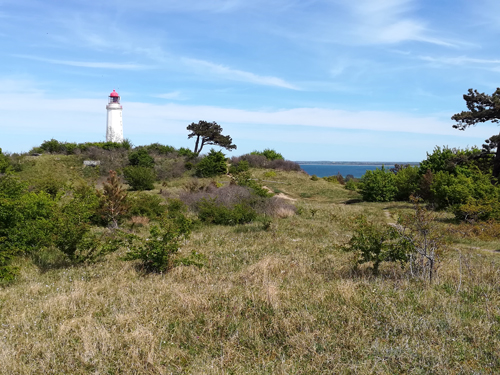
x: 279, y: 301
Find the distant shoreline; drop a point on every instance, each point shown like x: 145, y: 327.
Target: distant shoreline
x: 356, y: 162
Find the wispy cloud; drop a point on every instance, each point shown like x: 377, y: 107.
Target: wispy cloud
x: 389, y: 22
x: 175, y: 95
x: 459, y: 60
x: 87, y: 64
x: 225, y: 72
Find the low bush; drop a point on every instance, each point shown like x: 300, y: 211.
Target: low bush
x: 141, y: 158
x: 157, y: 252
x: 139, y: 178
x: 4, y: 162
x: 314, y: 178
x: 144, y: 204
x: 241, y: 166
x: 378, y: 185
x: 212, y: 165
x: 269, y: 154
x: 214, y: 212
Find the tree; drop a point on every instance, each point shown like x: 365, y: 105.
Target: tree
x: 482, y: 108
x: 209, y: 133
x: 113, y: 200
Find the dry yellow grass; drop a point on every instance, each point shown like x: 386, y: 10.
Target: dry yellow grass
x: 282, y: 301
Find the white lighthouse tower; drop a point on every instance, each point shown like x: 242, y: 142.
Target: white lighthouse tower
x: 114, y: 128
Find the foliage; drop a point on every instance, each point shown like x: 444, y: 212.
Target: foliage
x: 148, y: 205
x: 55, y: 147
x: 159, y: 149
x: 314, y: 178
x: 157, y: 251
x: 183, y: 151
x: 374, y: 244
x: 212, y: 165
x: 378, y: 185
x: 406, y: 182
x: 340, y: 179
x: 482, y: 108
x: 141, y: 158
x: 245, y: 179
x: 113, y: 200
x: 214, y: 212
x: 4, y: 162
x: 418, y: 235
x: 241, y: 166
x: 139, y: 178
x: 351, y: 185
x: 269, y: 154
x: 209, y: 133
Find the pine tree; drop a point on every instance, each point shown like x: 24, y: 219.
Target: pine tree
x: 113, y: 200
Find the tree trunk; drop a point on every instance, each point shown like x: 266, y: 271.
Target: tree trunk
x: 496, y: 162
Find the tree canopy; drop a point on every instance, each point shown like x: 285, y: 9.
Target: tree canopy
x: 209, y: 133
x: 482, y: 108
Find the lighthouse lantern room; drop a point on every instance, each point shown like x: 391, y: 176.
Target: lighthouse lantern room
x: 114, y: 128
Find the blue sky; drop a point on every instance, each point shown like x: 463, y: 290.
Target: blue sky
x: 367, y: 80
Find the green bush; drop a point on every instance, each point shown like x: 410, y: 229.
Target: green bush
x: 314, y: 178
x: 141, y: 158
x: 139, y: 178
x: 407, y: 182
x: 4, y: 162
x: 183, y: 151
x: 212, y: 165
x: 269, y: 154
x: 375, y: 244
x: 245, y: 179
x: 143, y: 204
x: 378, y: 185
x: 159, y: 149
x: 157, y: 251
x: 212, y: 211
x: 241, y: 166
x: 351, y: 185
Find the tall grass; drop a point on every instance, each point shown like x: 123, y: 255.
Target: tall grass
x: 280, y: 301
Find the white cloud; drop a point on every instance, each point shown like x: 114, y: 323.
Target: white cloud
x: 459, y: 60
x: 176, y: 95
x: 87, y: 64
x: 205, y: 67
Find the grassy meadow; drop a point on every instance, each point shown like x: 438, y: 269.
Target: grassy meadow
x: 277, y: 299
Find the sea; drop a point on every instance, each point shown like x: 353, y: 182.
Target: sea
x: 324, y: 170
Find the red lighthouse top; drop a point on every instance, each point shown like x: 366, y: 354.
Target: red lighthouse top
x: 114, y: 98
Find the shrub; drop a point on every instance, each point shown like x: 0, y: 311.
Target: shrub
x: 141, y: 158
x: 160, y: 149
x: 241, y: 166
x: 351, y: 185
x: 4, y: 162
x: 113, y: 205
x: 212, y: 165
x: 340, y: 179
x: 186, y: 152
x: 157, y: 251
x: 378, y: 185
x: 148, y: 205
x: 269, y: 154
x: 406, y: 182
x: 374, y: 244
x: 270, y: 174
x: 245, y: 179
x: 212, y: 211
x: 139, y: 178
x: 314, y: 178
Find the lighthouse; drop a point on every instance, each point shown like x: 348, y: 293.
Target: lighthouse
x: 114, y: 127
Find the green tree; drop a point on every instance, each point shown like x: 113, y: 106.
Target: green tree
x: 209, y: 133
x: 482, y: 108
x: 113, y: 200
x: 213, y: 164
x: 4, y: 162
x: 378, y: 185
